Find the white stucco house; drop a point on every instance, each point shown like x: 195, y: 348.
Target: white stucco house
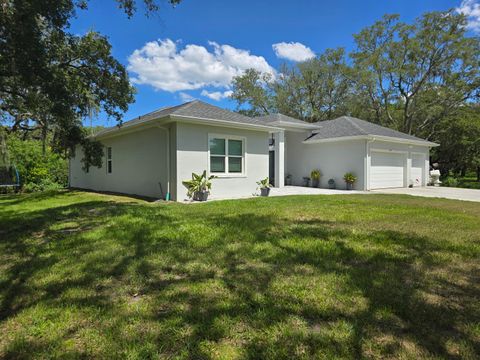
x: 152, y: 154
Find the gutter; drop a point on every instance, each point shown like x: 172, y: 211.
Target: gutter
x: 378, y: 138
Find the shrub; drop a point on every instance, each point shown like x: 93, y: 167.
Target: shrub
x: 450, y: 181
x: 38, y: 171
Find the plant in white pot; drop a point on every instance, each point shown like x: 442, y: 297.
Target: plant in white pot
x: 349, y: 180
x: 264, y: 186
x: 199, y: 186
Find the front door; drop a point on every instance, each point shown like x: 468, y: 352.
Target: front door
x: 271, y: 168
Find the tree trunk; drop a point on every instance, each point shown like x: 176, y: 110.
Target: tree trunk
x: 463, y: 172
x: 478, y: 173
x: 44, y: 139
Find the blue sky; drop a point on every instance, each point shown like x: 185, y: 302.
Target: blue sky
x: 193, y: 50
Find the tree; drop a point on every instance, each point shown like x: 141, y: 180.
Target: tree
x: 254, y: 89
x: 49, y: 78
x: 313, y: 90
x: 459, y: 137
x: 413, y: 76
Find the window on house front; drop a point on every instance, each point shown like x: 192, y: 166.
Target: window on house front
x: 226, y: 155
x: 109, y: 160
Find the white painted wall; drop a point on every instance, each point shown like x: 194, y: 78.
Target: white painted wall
x: 139, y: 164
x: 192, y: 156
x: 333, y: 159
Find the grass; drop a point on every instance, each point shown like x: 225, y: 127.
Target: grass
x: 360, y: 276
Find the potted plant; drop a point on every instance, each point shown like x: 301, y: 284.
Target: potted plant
x: 331, y: 184
x: 199, y: 186
x: 315, y: 176
x: 349, y: 180
x: 264, y: 186
x: 306, y: 181
x: 288, y: 179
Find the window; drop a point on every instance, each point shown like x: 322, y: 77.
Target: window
x: 109, y: 160
x: 226, y: 155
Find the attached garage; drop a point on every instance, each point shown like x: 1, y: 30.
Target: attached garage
x: 387, y: 170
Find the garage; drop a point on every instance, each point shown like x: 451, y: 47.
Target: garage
x: 417, y: 170
x: 387, y: 170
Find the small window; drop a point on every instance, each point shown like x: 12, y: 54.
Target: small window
x: 226, y: 155
x: 109, y: 160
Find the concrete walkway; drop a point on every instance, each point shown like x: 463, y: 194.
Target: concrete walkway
x: 300, y: 190
x: 436, y: 192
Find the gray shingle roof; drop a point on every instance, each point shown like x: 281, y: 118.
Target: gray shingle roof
x: 193, y: 109
x: 346, y: 126
x: 280, y: 119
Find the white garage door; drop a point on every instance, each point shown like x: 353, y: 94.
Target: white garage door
x: 416, y: 172
x: 386, y: 170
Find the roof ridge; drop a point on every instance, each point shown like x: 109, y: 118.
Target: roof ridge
x: 185, y: 105
x: 350, y: 120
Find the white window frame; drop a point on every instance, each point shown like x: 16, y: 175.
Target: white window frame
x: 109, y: 160
x: 227, y: 174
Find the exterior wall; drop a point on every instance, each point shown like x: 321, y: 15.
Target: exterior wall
x: 138, y: 165
x: 333, y: 159
x: 192, y: 156
x: 407, y: 150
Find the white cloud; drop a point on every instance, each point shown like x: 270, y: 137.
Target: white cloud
x: 471, y: 9
x: 293, y: 51
x: 164, y: 66
x: 216, y: 95
x: 185, y: 97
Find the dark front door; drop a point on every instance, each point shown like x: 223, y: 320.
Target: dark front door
x: 271, y: 170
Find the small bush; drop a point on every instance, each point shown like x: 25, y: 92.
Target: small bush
x: 450, y: 182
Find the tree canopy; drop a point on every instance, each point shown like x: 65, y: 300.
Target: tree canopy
x: 51, y: 79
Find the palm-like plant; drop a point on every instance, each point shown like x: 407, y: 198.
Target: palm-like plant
x: 198, y: 183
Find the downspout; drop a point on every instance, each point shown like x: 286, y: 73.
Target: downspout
x: 167, y: 133
x: 367, y: 167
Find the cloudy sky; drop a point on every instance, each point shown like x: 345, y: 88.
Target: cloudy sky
x: 193, y: 51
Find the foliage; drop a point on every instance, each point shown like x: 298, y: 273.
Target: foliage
x: 37, y: 171
x: 315, y: 174
x: 349, y: 178
x: 252, y: 88
x: 51, y: 79
x: 296, y: 277
x: 92, y: 154
x: 450, y: 181
x: 198, y: 183
x: 459, y: 136
x: 264, y: 183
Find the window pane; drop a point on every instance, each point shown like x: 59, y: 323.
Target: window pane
x: 109, y: 153
x: 217, y: 146
x: 235, y: 147
x: 109, y: 166
x: 217, y: 164
x: 235, y: 165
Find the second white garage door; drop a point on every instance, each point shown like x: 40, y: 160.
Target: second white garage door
x: 387, y: 170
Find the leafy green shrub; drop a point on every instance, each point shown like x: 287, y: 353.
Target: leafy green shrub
x: 38, y: 171
x: 450, y: 181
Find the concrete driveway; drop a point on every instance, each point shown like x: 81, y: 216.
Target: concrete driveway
x: 438, y: 192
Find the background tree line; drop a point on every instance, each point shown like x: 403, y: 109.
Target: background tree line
x: 421, y: 79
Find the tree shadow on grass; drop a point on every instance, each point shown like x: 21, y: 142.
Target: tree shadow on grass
x: 262, y: 286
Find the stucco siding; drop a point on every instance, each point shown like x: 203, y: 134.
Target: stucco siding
x: 192, y: 156
x: 138, y: 165
x: 333, y: 159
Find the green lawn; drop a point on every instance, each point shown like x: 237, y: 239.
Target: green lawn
x: 374, y: 276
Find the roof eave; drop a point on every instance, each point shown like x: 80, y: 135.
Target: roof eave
x: 373, y: 137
